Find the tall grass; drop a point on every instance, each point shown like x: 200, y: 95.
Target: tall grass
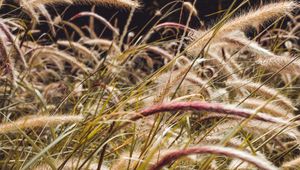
x: 177, y: 97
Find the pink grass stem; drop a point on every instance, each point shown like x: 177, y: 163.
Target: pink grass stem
x: 100, y: 18
x: 209, y: 107
x: 173, y: 25
x: 259, y: 162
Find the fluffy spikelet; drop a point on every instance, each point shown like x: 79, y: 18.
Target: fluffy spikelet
x: 209, y: 107
x: 73, y: 163
x: 294, y: 164
x: 264, y: 128
x: 53, y: 52
x: 189, y: 6
x: 42, y: 9
x: 226, y: 66
x: 251, y: 46
x: 266, y: 58
x: 38, y: 121
x: 269, y: 108
x: 119, y: 3
x: 191, y: 83
x: 259, y: 162
x: 80, y: 48
x: 103, y: 44
x: 254, y: 18
x: 264, y: 91
x: 257, y: 17
x: 277, y: 63
x: 125, y: 159
x: 35, y: 3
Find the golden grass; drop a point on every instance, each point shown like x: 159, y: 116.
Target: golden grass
x: 97, y: 96
x: 31, y: 122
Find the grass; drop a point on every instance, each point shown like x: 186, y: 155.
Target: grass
x: 210, y: 98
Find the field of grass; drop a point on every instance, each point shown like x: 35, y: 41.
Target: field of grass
x: 223, y: 96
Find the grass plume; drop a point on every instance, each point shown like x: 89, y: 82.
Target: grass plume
x: 118, y: 3
x: 31, y: 122
x: 253, y: 18
x: 111, y: 93
x: 205, y: 106
x: 171, y: 156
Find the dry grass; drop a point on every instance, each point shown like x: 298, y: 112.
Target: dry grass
x: 214, y: 99
x: 35, y: 121
x: 119, y: 3
x: 171, y: 156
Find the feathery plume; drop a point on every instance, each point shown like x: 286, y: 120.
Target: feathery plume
x: 38, y: 121
x: 190, y: 80
x: 293, y: 164
x: 262, y: 90
x: 254, y: 18
x: 209, y: 107
x: 264, y: 128
x: 30, y: 9
x: 42, y: 9
x: 189, y: 6
x: 228, y: 67
x: 277, y: 63
x: 259, y: 162
x: 103, y: 44
x: 73, y: 26
x: 118, y: 3
x: 251, y: 46
x: 72, y: 163
x: 53, y: 52
x: 45, y: 2
x: 257, y: 17
x: 80, y: 48
x: 269, y: 108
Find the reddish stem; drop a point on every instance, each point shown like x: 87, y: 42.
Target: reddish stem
x: 230, y: 152
x: 209, y: 107
x: 173, y: 25
x: 100, y: 18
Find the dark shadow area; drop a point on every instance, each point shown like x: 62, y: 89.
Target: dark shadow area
x: 144, y: 18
